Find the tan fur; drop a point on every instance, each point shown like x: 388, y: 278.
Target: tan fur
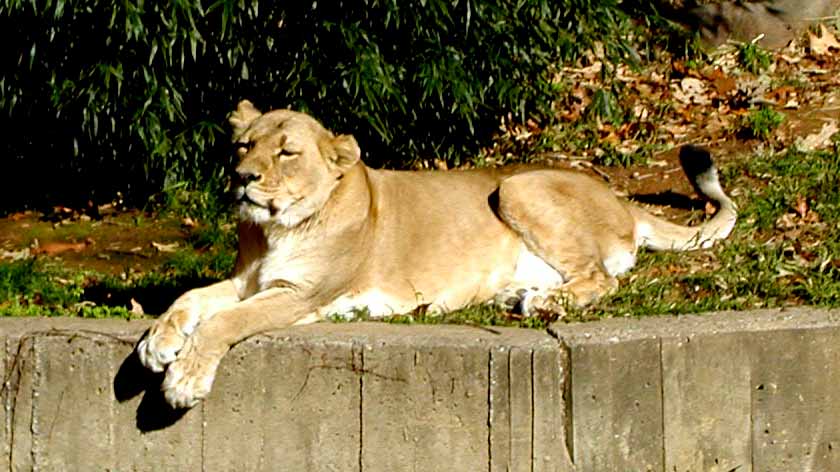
x: 322, y: 233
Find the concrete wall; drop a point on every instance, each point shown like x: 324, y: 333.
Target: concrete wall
x: 731, y: 391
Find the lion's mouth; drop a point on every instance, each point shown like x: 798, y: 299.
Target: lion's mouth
x: 246, y: 200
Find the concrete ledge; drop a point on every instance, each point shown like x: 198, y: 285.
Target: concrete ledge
x: 729, y: 391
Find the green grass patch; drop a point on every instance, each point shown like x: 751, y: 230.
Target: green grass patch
x: 753, y: 58
x: 32, y: 288
x: 485, y: 315
x: 761, y: 122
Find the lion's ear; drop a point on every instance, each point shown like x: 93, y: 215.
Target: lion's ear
x: 242, y: 117
x: 346, y: 152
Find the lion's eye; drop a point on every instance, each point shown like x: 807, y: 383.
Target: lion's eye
x: 285, y: 154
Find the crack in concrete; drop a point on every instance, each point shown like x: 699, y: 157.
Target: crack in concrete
x: 662, y: 401
x: 33, y: 414
x: 510, y: 408
x: 14, y: 370
x: 568, y: 401
x: 361, y: 405
x: 533, y: 412
x: 566, y: 393
x: 56, y: 415
x: 490, y: 410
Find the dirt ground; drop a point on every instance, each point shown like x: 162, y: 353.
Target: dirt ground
x: 114, y: 242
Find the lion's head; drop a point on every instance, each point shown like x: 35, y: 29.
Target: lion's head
x: 289, y: 164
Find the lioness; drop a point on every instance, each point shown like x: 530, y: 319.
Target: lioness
x: 321, y: 233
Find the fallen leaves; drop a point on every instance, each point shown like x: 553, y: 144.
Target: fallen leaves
x: 822, y: 45
x: 691, y: 91
x: 819, y: 140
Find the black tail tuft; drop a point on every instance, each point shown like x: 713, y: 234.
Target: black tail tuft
x: 696, y: 161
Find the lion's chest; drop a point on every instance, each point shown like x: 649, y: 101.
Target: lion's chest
x: 290, y: 260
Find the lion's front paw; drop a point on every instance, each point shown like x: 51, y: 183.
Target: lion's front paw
x: 190, y: 377
x: 161, y: 346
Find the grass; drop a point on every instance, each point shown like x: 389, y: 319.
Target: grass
x: 761, y: 122
x: 753, y: 58
x: 485, y: 315
x: 34, y: 287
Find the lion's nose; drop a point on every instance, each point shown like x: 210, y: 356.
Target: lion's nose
x: 247, y: 176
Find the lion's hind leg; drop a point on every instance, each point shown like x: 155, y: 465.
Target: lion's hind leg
x: 577, y: 226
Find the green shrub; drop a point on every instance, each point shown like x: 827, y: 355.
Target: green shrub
x: 138, y: 91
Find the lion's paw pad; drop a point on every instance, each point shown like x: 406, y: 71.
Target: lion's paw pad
x: 187, y: 382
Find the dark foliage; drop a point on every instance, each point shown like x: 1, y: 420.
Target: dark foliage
x: 137, y: 91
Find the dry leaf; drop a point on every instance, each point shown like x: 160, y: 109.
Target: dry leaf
x: 820, y: 139
x: 162, y: 247
x: 724, y: 85
x: 692, y: 90
x: 678, y: 131
x: 801, y: 206
x: 821, y: 45
x: 588, y: 72
x: 786, y: 221
x: 53, y: 248
x: 136, y: 308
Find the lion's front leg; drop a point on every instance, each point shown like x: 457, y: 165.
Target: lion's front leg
x: 170, y: 331
x: 190, y: 377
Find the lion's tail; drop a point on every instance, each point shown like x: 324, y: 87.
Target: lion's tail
x: 661, y: 235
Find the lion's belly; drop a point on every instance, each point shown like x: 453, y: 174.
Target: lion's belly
x: 531, y: 275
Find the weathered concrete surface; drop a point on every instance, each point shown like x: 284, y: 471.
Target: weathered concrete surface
x: 616, y: 399
x: 327, y: 397
x: 730, y: 391
x: 708, y: 374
